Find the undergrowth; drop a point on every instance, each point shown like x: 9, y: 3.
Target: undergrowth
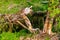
x: 14, y: 36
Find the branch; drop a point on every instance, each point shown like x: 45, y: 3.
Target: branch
x: 22, y: 25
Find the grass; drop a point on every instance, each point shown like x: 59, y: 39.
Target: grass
x: 13, y: 36
x: 11, y: 6
x: 8, y: 36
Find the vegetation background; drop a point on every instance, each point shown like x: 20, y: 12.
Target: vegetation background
x: 12, y: 7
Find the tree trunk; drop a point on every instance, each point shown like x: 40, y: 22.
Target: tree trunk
x: 49, y: 29
x: 48, y: 25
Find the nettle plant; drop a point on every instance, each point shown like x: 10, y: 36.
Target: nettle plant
x: 53, y: 8
x: 52, y: 14
x: 55, y: 12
